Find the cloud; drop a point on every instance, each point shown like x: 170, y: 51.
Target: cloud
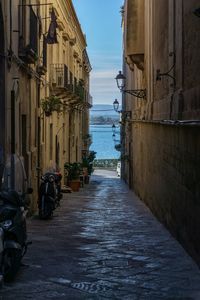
x: 103, y: 86
x: 103, y: 74
x: 105, y: 68
x: 105, y: 60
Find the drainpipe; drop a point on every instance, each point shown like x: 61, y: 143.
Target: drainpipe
x: 38, y: 141
x: 69, y: 138
x: 173, y: 18
x: 12, y: 139
x: 11, y: 25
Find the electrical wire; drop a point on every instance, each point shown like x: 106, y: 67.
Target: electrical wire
x: 102, y: 110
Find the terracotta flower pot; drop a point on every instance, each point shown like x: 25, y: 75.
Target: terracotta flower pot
x: 75, y: 185
x: 85, y: 171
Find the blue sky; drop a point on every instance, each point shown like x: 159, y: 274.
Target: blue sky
x: 101, y: 22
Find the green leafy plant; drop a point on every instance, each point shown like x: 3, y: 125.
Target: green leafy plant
x: 87, y: 164
x: 118, y: 147
x: 50, y: 104
x: 87, y: 139
x: 125, y: 157
x: 92, y: 156
x: 72, y: 170
x: 87, y: 161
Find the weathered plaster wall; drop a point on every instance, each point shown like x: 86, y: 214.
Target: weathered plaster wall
x: 166, y: 164
x: 191, y: 41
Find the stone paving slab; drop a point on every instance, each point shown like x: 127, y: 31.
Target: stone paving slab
x: 104, y: 243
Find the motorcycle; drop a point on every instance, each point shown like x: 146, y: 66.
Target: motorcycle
x: 13, y: 210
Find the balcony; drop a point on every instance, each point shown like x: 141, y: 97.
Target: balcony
x: 61, y: 82
x: 134, y: 34
x: 88, y: 100
x: 79, y: 89
x: 42, y: 64
x: 64, y: 84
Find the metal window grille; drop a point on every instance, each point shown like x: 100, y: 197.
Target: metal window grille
x: 44, y: 60
x: 33, y: 31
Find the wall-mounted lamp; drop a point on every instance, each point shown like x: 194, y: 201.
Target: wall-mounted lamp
x: 121, y: 83
x: 159, y: 75
x: 116, y: 105
x: 125, y: 114
x: 113, y: 128
x: 196, y: 12
x: 115, y: 140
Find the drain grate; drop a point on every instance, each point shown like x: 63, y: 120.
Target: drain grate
x: 88, y: 287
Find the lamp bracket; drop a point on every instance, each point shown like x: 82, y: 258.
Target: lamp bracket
x: 126, y: 114
x: 159, y: 74
x: 136, y: 93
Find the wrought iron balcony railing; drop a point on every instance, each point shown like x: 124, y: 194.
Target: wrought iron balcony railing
x: 59, y: 76
x: 63, y: 82
x: 88, y: 99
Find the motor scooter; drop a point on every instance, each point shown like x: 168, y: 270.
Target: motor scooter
x: 47, y: 196
x: 59, y: 195
x: 13, y: 234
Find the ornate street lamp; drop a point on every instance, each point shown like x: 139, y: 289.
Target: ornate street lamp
x: 113, y: 128
x: 116, y: 105
x: 121, y: 83
x: 125, y: 114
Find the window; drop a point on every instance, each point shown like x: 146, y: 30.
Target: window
x: 33, y: 31
x: 44, y: 56
x: 28, y: 33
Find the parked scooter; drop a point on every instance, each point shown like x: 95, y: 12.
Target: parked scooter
x: 13, y: 209
x: 59, y: 195
x: 13, y: 236
x: 47, y: 196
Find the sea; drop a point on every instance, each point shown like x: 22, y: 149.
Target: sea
x: 102, y: 134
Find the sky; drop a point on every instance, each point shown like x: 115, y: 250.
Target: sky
x: 101, y: 22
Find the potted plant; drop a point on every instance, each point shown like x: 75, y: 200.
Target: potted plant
x: 87, y: 165
x: 50, y: 104
x: 72, y: 174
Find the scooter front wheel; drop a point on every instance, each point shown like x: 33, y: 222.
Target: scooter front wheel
x: 45, y: 215
x: 11, y: 263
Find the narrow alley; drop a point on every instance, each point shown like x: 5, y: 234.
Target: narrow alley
x: 103, y: 243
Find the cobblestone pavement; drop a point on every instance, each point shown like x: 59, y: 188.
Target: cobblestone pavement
x: 103, y: 243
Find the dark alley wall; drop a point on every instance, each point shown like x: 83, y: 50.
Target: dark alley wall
x: 2, y: 89
x: 166, y: 168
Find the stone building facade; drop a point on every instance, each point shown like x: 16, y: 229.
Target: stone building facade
x: 162, y: 138
x: 33, y: 70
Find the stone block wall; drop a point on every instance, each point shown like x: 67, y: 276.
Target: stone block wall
x: 166, y: 176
